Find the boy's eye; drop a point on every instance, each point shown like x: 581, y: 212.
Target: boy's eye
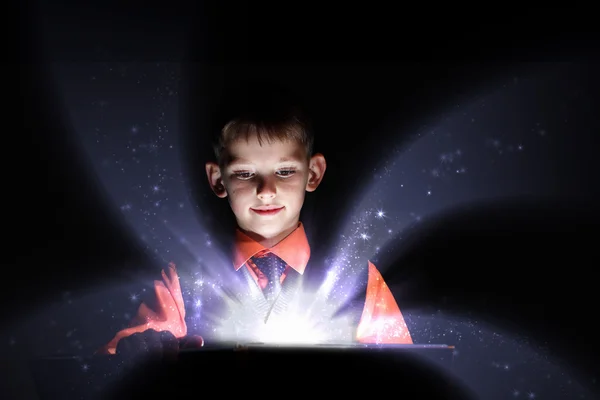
x: 243, y: 175
x: 286, y: 172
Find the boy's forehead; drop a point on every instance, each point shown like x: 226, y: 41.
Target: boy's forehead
x: 250, y: 150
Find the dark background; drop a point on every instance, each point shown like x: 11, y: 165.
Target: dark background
x: 531, y: 266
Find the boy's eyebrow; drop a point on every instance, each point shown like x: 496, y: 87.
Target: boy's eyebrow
x: 286, y: 159
x: 237, y: 160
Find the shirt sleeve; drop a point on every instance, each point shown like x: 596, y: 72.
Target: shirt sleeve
x: 167, y: 315
x: 381, y: 321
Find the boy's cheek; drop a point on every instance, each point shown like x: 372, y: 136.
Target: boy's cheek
x: 239, y: 208
x: 241, y: 198
x: 235, y: 186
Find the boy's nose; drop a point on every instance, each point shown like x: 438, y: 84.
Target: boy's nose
x: 266, y: 189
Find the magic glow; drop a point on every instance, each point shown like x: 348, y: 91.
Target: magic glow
x: 309, y: 319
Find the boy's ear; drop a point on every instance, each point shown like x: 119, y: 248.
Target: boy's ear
x: 215, y: 180
x: 316, y: 169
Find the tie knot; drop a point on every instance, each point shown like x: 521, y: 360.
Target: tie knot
x: 270, y: 265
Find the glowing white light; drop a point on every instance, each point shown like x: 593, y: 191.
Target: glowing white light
x: 308, y: 320
x: 290, y: 330
x: 328, y: 283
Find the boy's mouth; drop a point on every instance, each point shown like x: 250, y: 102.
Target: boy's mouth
x: 267, y: 210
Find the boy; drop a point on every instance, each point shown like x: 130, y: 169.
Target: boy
x: 264, y: 166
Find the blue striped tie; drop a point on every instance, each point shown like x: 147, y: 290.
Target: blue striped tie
x: 272, y: 267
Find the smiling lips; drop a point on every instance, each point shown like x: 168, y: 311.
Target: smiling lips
x: 267, y: 210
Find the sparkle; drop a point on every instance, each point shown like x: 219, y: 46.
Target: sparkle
x: 446, y: 158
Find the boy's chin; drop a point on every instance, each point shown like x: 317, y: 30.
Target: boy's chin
x: 262, y: 232
x: 267, y: 233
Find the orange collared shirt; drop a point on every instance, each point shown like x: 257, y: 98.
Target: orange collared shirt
x: 381, y: 321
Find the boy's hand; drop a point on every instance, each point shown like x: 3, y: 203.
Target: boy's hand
x: 153, y: 343
x: 148, y: 344
x: 191, y: 342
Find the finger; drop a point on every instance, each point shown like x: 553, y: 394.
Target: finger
x: 191, y: 342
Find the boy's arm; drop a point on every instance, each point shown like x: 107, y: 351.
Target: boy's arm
x: 381, y: 321
x: 168, y: 315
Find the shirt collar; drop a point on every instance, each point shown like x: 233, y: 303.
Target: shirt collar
x: 293, y: 249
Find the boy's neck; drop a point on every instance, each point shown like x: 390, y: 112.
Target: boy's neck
x: 272, y: 241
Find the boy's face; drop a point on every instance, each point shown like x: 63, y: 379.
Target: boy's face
x: 265, y: 184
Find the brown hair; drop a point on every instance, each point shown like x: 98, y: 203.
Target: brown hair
x: 270, y: 115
